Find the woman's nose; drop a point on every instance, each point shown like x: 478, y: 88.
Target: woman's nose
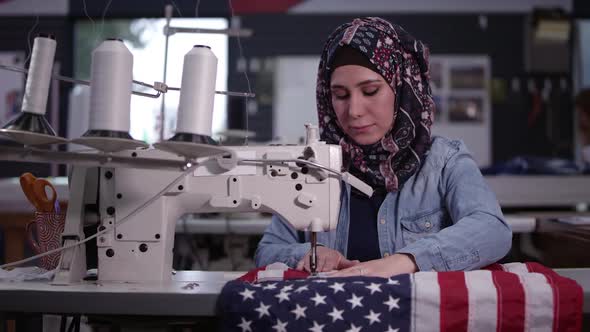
x: 355, y: 107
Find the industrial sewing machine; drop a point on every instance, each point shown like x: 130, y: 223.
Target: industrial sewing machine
x: 246, y: 178
x: 141, y: 192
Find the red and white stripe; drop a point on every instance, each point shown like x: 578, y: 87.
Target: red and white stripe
x: 483, y: 301
x: 509, y: 297
x: 426, y: 302
x: 538, y: 293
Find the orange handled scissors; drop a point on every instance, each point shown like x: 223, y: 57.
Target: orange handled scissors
x: 35, y: 190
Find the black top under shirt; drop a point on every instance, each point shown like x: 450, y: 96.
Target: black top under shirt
x: 363, y: 240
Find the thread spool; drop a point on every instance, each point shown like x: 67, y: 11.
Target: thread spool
x: 312, y: 134
x: 29, y: 126
x: 197, y: 92
x: 111, y: 80
x: 39, y: 75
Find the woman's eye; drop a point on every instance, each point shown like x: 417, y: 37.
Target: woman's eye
x: 370, y: 92
x: 340, y: 95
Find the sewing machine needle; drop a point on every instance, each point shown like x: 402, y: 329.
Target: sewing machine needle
x: 313, y: 258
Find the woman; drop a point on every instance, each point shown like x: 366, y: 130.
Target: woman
x: 432, y: 209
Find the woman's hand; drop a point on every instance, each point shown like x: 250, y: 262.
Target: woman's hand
x: 384, y: 267
x: 328, y: 260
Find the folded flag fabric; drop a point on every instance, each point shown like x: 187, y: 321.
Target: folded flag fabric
x: 273, y: 272
x: 507, y: 297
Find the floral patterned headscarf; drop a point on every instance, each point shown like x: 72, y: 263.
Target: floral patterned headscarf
x: 403, y: 62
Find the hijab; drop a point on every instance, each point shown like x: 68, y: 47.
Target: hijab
x: 403, y: 62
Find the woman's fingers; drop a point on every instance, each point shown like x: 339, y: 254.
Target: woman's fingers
x: 332, y: 262
x: 299, y: 265
x: 345, y: 263
x: 322, y: 262
x: 327, y: 260
x: 303, y: 264
x: 349, y: 272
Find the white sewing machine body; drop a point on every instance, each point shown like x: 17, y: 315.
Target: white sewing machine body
x: 140, y: 249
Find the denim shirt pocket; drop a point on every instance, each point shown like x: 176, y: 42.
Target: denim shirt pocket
x: 422, y: 224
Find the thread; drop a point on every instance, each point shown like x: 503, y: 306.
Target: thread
x: 197, y: 92
x: 39, y: 75
x: 235, y: 23
x: 111, y: 79
x: 104, y: 13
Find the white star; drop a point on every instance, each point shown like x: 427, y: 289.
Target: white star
x: 336, y: 314
x: 391, y: 329
x: 337, y: 286
x: 270, y: 286
x: 301, y: 289
x: 247, y: 294
x: 287, y: 288
x: 392, y: 303
x: 374, y: 288
x: 282, y: 296
x: 354, y: 328
x: 355, y: 301
x: 263, y: 310
x: 245, y: 325
x: 299, y: 311
x: 317, y: 327
x: 373, y: 317
x: 280, y: 326
x: 392, y: 282
x: 318, y: 299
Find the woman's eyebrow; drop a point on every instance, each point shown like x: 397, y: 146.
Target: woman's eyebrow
x: 368, y: 81
x: 339, y: 86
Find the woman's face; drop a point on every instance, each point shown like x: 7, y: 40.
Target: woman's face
x: 363, y: 103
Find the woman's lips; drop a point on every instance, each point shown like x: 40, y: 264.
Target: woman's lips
x: 361, y: 129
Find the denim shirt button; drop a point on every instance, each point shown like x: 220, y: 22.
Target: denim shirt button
x: 428, y: 224
x: 382, y: 221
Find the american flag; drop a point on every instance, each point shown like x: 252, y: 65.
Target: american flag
x: 507, y: 297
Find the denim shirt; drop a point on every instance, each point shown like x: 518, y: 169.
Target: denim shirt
x: 445, y: 216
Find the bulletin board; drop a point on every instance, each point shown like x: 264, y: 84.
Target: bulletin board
x: 460, y: 88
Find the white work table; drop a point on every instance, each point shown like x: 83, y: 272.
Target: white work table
x: 191, y: 294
